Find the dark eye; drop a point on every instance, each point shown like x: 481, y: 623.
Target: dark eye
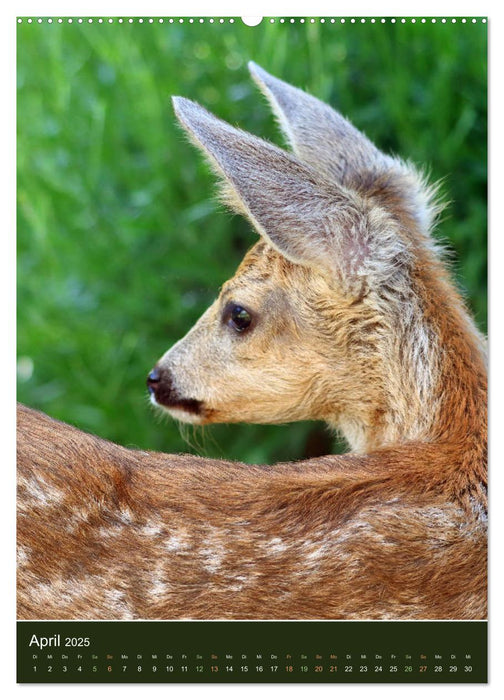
x: 237, y: 318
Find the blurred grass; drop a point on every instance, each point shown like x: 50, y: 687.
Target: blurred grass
x: 121, y: 244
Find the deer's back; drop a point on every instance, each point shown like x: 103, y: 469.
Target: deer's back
x: 110, y: 533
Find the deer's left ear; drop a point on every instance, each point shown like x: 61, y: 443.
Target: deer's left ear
x: 309, y: 221
x: 317, y: 133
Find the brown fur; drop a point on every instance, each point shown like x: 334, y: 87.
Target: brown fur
x: 354, y: 321
x: 106, y: 532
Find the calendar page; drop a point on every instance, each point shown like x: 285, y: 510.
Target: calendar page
x: 251, y: 351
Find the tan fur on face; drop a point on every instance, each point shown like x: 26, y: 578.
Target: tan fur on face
x: 245, y: 377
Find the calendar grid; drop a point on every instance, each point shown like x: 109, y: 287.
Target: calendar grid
x: 247, y: 651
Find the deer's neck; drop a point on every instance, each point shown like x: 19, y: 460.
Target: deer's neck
x: 433, y: 386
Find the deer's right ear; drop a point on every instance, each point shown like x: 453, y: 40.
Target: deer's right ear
x: 309, y: 221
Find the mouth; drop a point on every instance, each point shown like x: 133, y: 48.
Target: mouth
x: 191, y: 406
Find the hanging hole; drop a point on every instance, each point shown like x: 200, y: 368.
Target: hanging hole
x: 251, y: 21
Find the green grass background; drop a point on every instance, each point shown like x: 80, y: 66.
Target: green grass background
x: 121, y: 243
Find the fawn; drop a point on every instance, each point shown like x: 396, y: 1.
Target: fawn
x: 342, y: 312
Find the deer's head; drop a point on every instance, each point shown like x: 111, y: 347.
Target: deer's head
x: 313, y: 323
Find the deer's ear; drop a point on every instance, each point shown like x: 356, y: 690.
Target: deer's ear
x: 309, y: 221
x: 322, y: 138
x: 318, y: 134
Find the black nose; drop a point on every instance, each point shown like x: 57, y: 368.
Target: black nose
x: 153, y: 379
